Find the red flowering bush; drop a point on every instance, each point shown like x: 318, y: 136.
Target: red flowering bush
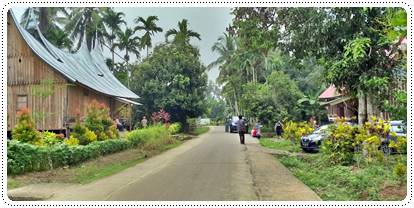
x: 25, y: 129
x: 160, y: 117
x: 98, y: 120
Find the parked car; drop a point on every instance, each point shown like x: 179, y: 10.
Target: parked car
x: 312, y: 142
x: 398, y: 128
x: 233, y: 124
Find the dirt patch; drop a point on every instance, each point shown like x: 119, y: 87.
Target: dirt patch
x: 394, y: 192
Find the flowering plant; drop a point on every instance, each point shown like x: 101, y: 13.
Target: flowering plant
x: 160, y: 117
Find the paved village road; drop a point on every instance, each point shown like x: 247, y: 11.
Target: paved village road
x: 212, y: 167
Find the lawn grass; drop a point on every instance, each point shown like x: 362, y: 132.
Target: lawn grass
x: 280, y: 145
x: 200, y: 130
x: 93, y: 172
x: 347, y: 183
x: 11, y: 183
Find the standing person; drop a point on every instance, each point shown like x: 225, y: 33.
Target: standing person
x: 144, y: 122
x: 279, y: 129
x: 227, y: 125
x: 314, y: 122
x: 119, y: 125
x: 258, y: 130
x: 241, y: 128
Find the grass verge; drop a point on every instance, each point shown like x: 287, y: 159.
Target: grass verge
x: 92, y: 170
x: 375, y: 181
x: 347, y: 183
x: 200, y: 130
x: 280, y: 145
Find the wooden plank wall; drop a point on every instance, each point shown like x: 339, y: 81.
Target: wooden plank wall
x: 79, y: 98
x: 25, y: 70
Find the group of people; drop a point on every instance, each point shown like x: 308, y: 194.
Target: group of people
x: 121, y: 125
x: 256, y: 132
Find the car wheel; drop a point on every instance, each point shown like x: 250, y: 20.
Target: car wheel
x: 385, y: 149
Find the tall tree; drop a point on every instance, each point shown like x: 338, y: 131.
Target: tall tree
x: 49, y: 21
x: 150, y: 28
x: 44, y: 17
x: 226, y: 46
x: 172, y: 78
x: 183, y: 34
x: 128, y: 42
x: 113, y: 21
x: 86, y: 23
x: 59, y: 38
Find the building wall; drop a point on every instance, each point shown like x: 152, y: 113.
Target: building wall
x: 79, y: 98
x: 347, y: 108
x: 25, y: 71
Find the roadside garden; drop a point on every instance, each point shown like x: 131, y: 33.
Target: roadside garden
x: 350, y: 164
x: 38, y: 157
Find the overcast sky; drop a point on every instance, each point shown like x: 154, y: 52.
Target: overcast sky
x: 210, y: 23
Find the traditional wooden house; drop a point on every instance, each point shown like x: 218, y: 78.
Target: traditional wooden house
x: 338, y: 105
x: 71, y: 81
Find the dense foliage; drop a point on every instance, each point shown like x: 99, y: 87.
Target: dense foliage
x: 24, y: 157
x: 175, y: 128
x: 98, y: 120
x: 294, y: 131
x: 357, y: 49
x: 173, y: 79
x: 25, y: 129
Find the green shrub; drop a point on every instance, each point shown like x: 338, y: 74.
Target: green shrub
x: 83, y: 134
x: 99, y: 121
x: 90, y: 136
x: 400, y: 169
x: 25, y: 129
x: 78, y: 132
x: 72, y: 141
x: 339, y: 146
x: 151, y: 137
x: 50, y: 138
x: 293, y: 131
x: 24, y: 157
x: 174, y: 128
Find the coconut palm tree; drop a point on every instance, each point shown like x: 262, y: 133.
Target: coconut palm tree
x: 150, y: 28
x: 86, y: 23
x: 225, y: 47
x: 112, y: 20
x: 44, y: 17
x: 183, y: 34
x: 128, y: 42
x: 59, y: 38
x: 229, y: 74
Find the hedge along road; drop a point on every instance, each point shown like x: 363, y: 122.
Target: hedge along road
x: 212, y: 167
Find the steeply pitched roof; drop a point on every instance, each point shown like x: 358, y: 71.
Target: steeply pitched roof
x: 330, y: 92
x: 84, y: 67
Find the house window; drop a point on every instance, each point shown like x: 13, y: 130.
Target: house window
x: 21, y: 102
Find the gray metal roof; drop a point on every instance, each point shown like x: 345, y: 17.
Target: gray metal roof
x: 124, y: 100
x: 84, y: 67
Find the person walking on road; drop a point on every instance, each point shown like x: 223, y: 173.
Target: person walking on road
x: 241, y: 128
x: 279, y: 129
